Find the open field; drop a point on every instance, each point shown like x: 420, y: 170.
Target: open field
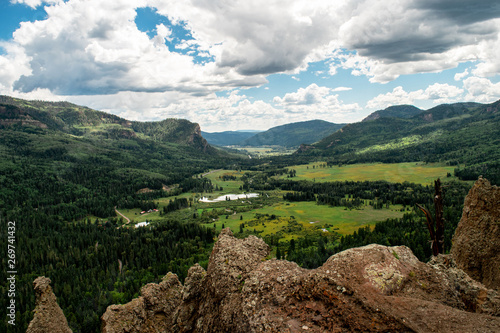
x: 337, y: 219
x: 419, y: 173
x: 229, y: 186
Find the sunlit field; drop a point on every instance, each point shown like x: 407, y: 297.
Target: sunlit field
x: 419, y: 173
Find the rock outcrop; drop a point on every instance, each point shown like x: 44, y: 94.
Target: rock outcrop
x: 151, y: 312
x: 476, y: 242
x: 198, y: 141
x: 370, y: 289
x: 48, y: 315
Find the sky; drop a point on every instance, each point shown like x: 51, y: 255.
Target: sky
x: 250, y: 64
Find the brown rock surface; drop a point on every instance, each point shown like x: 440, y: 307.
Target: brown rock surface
x: 476, y: 242
x: 369, y: 289
x: 48, y: 315
x: 151, y: 312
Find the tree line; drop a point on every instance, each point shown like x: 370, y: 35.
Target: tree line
x: 313, y: 250
x: 93, y: 266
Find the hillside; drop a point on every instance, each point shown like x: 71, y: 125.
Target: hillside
x: 396, y: 111
x: 294, y: 134
x: 84, y: 122
x: 91, y: 161
x: 458, y: 134
x: 227, y: 138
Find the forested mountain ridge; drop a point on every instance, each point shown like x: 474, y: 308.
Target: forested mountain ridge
x: 83, y: 121
x: 465, y: 134
x: 62, y: 116
x: 293, y: 134
x: 397, y: 111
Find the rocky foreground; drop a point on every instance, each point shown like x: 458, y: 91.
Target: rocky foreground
x: 368, y: 289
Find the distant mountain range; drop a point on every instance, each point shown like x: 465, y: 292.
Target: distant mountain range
x: 289, y: 135
x: 466, y: 134
x: 227, y: 138
x: 294, y: 134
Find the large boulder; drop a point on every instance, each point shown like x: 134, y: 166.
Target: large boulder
x: 369, y: 289
x: 476, y: 242
x: 48, y: 315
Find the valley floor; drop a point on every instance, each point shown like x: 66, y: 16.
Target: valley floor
x: 271, y: 215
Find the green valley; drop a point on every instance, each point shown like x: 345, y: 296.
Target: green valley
x: 72, y: 179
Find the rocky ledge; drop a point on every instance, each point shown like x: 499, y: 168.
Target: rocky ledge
x: 369, y: 289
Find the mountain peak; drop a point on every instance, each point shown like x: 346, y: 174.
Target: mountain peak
x: 293, y: 134
x: 396, y: 111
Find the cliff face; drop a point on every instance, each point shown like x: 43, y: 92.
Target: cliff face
x: 476, y: 242
x: 176, y: 131
x: 197, y: 140
x: 368, y: 289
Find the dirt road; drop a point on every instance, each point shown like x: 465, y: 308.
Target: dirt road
x: 126, y: 218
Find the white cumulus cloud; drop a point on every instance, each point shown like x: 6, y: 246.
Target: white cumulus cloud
x: 481, y: 90
x: 35, y: 3
x: 438, y: 93
x: 317, y: 100
x: 460, y: 76
x: 93, y: 50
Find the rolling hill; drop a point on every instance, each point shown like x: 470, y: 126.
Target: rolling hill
x: 396, y: 111
x: 465, y: 134
x: 81, y: 121
x: 293, y: 134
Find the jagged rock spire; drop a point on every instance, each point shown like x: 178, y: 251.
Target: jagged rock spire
x: 49, y: 318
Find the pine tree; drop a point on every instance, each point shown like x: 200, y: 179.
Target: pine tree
x: 278, y: 253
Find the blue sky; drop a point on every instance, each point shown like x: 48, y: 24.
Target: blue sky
x: 250, y: 64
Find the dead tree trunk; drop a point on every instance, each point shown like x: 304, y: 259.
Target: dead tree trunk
x: 437, y: 232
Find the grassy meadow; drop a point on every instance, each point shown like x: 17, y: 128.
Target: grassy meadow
x: 271, y: 214
x: 418, y: 173
x: 229, y: 186
x: 338, y: 219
